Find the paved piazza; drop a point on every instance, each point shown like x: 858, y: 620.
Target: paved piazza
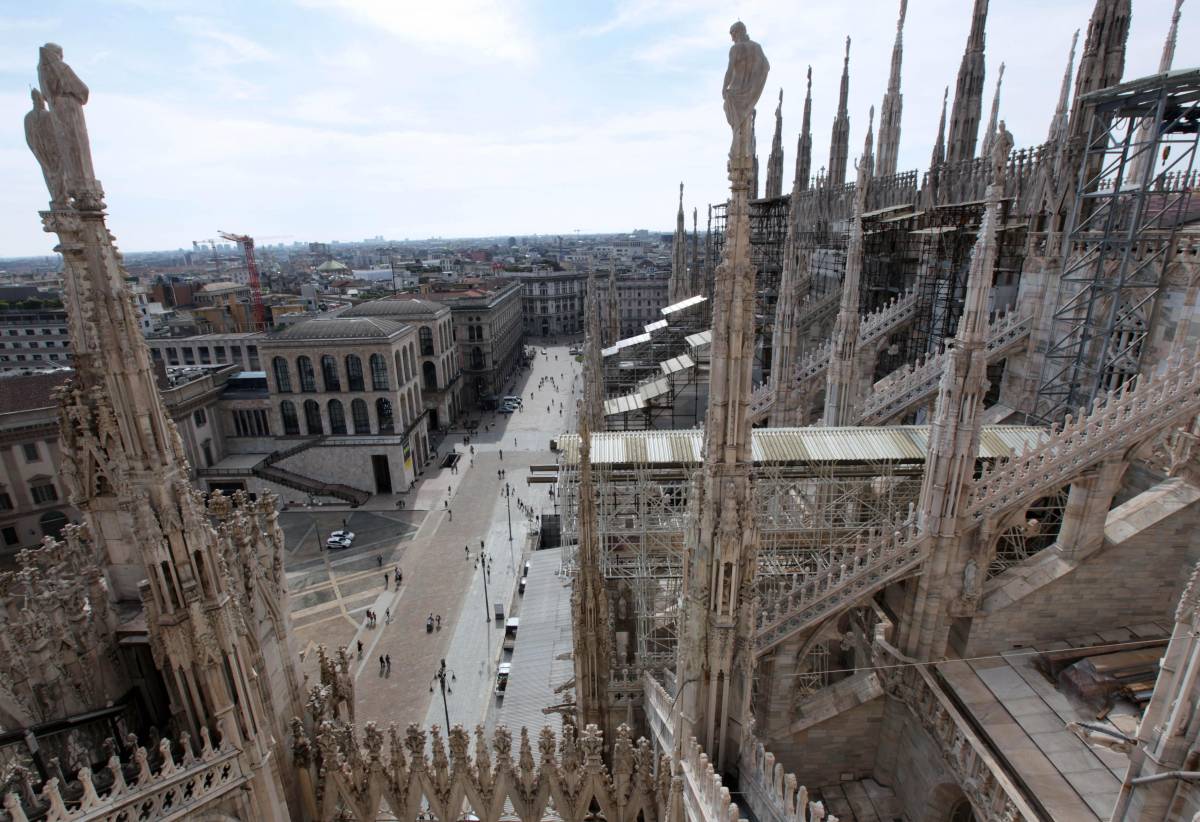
x: 445, y: 513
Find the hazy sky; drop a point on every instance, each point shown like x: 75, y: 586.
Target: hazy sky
x: 345, y: 119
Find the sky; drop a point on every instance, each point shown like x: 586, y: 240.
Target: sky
x: 320, y: 120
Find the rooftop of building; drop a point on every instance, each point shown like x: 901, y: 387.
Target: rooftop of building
x: 398, y: 306
x: 223, y: 285
x: 27, y: 392
x: 337, y: 328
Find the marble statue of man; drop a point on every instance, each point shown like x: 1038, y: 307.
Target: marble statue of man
x: 1001, y: 148
x: 744, y: 81
x: 39, y: 134
x: 67, y: 95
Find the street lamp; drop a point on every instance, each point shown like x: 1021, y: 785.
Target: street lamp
x: 440, y: 678
x: 485, y: 565
x: 316, y: 525
x: 508, y: 501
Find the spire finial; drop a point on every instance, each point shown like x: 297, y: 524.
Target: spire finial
x: 847, y: 58
x: 903, y: 14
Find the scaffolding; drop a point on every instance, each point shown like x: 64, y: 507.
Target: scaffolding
x: 1121, y: 236
x: 817, y: 493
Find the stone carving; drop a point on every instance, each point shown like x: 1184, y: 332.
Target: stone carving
x: 745, y: 78
x: 43, y: 142
x: 67, y: 95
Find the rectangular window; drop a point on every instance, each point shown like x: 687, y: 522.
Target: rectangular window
x: 5, y: 501
x: 43, y: 493
x: 10, y: 536
x: 189, y: 356
x: 31, y: 452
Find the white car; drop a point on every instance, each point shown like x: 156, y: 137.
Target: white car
x: 338, y: 542
x: 342, y: 535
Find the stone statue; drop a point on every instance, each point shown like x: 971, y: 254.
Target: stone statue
x: 970, y: 580
x: 67, y: 95
x: 39, y: 134
x: 744, y: 81
x: 1001, y: 148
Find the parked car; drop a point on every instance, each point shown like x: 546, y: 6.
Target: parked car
x: 510, y: 633
x: 514, y: 400
x: 576, y: 351
x: 334, y: 543
x: 342, y: 535
x: 502, y: 678
x: 507, y: 409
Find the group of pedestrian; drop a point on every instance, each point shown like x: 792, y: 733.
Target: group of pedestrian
x: 372, y: 620
x: 385, y: 664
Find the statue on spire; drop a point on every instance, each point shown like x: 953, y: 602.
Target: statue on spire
x: 67, y: 95
x: 745, y: 78
x: 43, y: 142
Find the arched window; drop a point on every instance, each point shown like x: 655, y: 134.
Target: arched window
x: 354, y: 373
x: 337, y: 417
x: 283, y: 377
x: 312, y: 418
x: 362, y: 420
x: 291, y: 425
x: 383, y: 411
x: 52, y: 523
x: 308, y: 378
x: 426, y: 336
x: 477, y: 358
x: 379, y: 375
x: 329, y: 374
x: 430, y: 375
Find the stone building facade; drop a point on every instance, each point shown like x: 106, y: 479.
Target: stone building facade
x: 362, y: 392
x: 441, y: 374
x: 639, y: 301
x: 33, y: 338
x: 489, y: 333
x: 552, y: 302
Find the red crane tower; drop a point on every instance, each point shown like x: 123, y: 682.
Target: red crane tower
x: 247, y: 244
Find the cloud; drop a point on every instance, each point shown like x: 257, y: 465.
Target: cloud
x: 221, y: 47
x: 459, y: 29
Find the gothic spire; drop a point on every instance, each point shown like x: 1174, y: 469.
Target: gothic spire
x: 775, y: 159
x: 1058, y: 125
x: 893, y: 103
x: 804, y: 144
x: 839, y: 141
x: 754, y: 154
x: 1103, y: 60
x: 1146, y: 156
x: 677, y: 287
x: 939, y: 145
x: 968, y: 91
x: 990, y: 134
x: 842, y: 374
x: 589, y: 600
x: 696, y: 280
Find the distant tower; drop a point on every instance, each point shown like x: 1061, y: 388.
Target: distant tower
x: 841, y: 377
x: 678, y: 284
x: 893, y: 104
x: 968, y: 91
x: 775, y: 160
x: 804, y: 144
x: 839, y: 139
x: 754, y: 155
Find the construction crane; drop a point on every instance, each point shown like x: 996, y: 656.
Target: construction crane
x: 247, y: 244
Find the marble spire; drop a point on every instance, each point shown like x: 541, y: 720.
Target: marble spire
x: 589, y: 600
x: 968, y: 91
x: 696, y: 278
x: 841, y: 377
x: 1145, y: 133
x: 937, y: 158
x: 715, y: 658
x: 839, y: 140
x: 754, y: 155
x: 804, y: 144
x: 954, y: 443
x: 989, y: 136
x: 1058, y: 125
x: 678, y: 285
x: 775, y: 159
x: 1103, y: 60
x: 892, y: 106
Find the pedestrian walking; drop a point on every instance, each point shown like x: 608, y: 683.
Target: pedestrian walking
x: 467, y: 548
x: 385, y: 582
x: 379, y: 560
x: 381, y: 664
x: 514, y: 442
x: 389, y: 663
x: 359, y: 648
x: 451, y: 514
x: 387, y: 616
x: 480, y: 545
x: 501, y: 453
x: 439, y: 622
x: 446, y: 503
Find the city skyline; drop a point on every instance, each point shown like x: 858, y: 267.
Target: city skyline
x: 342, y: 119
